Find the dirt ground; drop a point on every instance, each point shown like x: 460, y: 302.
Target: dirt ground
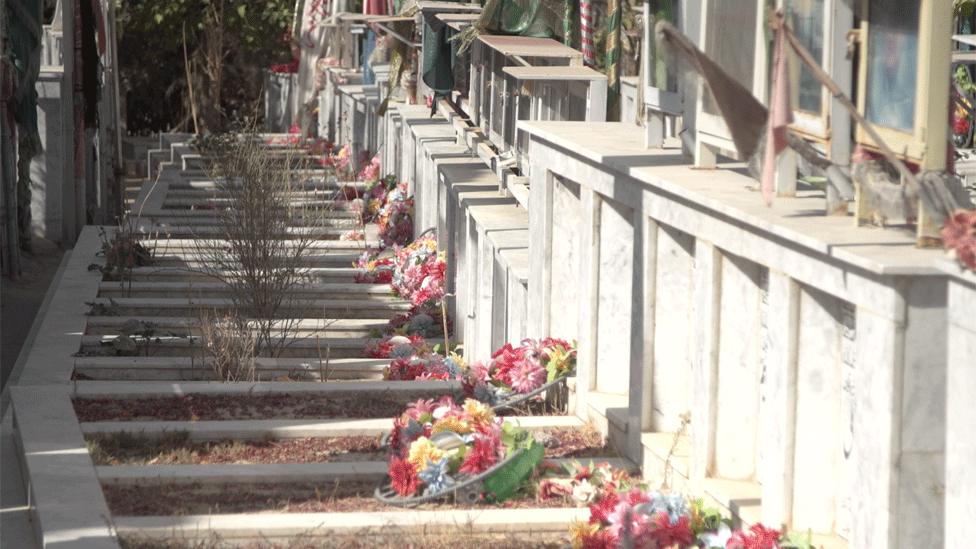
x: 20, y: 300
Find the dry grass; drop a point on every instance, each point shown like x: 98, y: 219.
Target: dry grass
x: 231, y: 344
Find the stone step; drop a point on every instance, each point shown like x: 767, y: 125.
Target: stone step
x: 217, y: 203
x: 198, y: 180
x: 336, y: 259
x: 328, y: 231
x: 317, y: 308
x: 150, y: 389
x: 319, y: 215
x: 266, y: 429
x: 154, y: 273
x: 255, y: 473
x: 218, y: 289
x: 207, y: 194
x: 525, y: 523
x: 160, y: 220
x: 191, y: 247
x: 191, y: 369
x: 169, y: 346
x: 98, y: 325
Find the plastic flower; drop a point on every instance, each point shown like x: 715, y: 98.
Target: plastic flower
x: 435, y: 476
x: 758, y: 537
x: 590, y: 536
x: 422, y: 451
x: 600, y: 510
x: 454, y: 424
x: 959, y: 237
x: 480, y: 457
x: 341, y: 159
x: 666, y: 533
x: 527, y: 376
x: 477, y: 412
x: 403, y: 477
x: 584, y: 492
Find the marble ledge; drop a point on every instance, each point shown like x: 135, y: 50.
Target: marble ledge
x: 722, y: 192
x: 957, y: 272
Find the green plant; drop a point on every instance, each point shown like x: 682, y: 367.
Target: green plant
x: 225, y: 40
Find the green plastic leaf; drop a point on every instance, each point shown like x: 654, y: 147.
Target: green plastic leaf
x: 505, y: 482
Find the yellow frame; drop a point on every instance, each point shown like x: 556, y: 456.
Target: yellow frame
x: 812, y: 126
x: 927, y: 144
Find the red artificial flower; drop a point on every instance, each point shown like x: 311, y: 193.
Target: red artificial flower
x: 636, y: 496
x: 480, y: 457
x: 403, y: 477
x: 601, y: 510
x: 601, y: 539
x: 666, y: 534
x: 758, y: 537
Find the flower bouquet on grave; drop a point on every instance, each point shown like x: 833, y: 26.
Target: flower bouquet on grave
x: 353, y: 235
x: 425, y: 320
x: 425, y: 367
x: 396, y: 346
x: 515, y: 375
x: 419, y: 272
x: 375, y: 194
x: 627, y: 514
x: 373, y: 268
x: 959, y: 238
x: 440, y: 449
x: 395, y: 218
x: 370, y: 173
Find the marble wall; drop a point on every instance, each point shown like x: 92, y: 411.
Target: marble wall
x: 960, y: 476
x: 812, y: 383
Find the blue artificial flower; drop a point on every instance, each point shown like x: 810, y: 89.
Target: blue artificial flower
x: 673, y: 504
x: 452, y: 368
x: 435, y: 477
x: 413, y: 429
x: 422, y: 324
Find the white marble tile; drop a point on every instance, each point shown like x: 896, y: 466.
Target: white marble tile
x: 737, y: 421
x: 615, y: 298
x: 819, y: 381
x: 672, y: 328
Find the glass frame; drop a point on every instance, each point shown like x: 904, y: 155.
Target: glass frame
x: 922, y: 143
x: 813, y: 125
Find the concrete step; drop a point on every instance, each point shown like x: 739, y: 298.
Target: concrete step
x: 320, y: 348
x: 317, y: 308
x: 523, y: 523
x: 266, y: 429
x: 218, y: 289
x: 157, y: 368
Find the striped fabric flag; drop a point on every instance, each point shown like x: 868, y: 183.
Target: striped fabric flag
x: 586, y: 33
x: 613, y: 46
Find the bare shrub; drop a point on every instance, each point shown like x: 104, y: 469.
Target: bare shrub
x: 264, y: 238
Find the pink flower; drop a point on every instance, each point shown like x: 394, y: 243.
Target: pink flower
x: 527, y: 376
x: 479, y: 371
x: 758, y: 537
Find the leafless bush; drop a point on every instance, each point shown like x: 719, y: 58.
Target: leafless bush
x: 264, y: 238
